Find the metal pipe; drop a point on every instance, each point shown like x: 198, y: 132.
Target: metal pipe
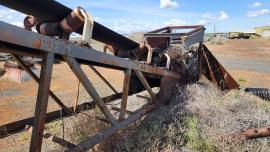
x: 253, y: 133
x: 260, y: 92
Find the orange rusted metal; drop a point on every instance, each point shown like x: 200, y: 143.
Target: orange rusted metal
x: 29, y: 22
x: 72, y: 22
x: 253, y: 133
x: 215, y: 72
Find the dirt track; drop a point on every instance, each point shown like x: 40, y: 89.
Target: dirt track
x: 247, y: 60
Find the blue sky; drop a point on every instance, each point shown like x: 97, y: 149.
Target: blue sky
x: 127, y: 16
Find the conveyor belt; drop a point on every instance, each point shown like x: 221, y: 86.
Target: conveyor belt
x: 50, y: 11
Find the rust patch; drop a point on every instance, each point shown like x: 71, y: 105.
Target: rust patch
x: 49, y: 44
x: 37, y: 44
x: 109, y: 62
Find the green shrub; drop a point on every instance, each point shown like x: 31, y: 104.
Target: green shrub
x: 194, y: 140
x: 242, y: 80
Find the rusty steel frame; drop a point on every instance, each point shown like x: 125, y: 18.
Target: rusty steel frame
x: 13, y: 40
x: 92, y: 141
x: 216, y: 72
x: 75, y: 67
x: 161, y: 33
x: 36, y: 42
x: 146, y: 85
x: 164, y: 37
x: 17, y: 41
x: 53, y: 138
x: 122, y: 114
x: 42, y: 102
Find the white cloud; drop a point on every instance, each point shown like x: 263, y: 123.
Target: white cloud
x: 203, y: 22
x: 258, y: 12
x: 256, y: 4
x: 127, y: 26
x: 12, y: 11
x: 168, y: 4
x: 223, y: 15
x: 97, y: 18
x: 176, y: 22
x: 209, y: 16
x: 5, y: 12
x: 9, y: 17
x: 17, y: 23
x: 213, y: 17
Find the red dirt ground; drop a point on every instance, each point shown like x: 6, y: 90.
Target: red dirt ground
x: 64, y: 83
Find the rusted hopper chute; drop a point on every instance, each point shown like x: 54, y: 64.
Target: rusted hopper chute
x: 209, y: 65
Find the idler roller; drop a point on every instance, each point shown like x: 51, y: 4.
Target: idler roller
x: 50, y: 29
x: 29, y: 22
x: 73, y: 21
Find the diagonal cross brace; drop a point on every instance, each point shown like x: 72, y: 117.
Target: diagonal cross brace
x: 146, y: 85
x: 102, y: 78
x: 75, y: 67
x: 35, y: 77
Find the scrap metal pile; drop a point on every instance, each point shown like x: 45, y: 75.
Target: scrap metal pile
x: 168, y: 56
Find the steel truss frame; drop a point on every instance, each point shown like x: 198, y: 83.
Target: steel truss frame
x: 20, y: 42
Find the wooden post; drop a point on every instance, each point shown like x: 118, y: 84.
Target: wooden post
x: 74, y: 65
x: 145, y: 84
x: 42, y: 102
x: 125, y: 95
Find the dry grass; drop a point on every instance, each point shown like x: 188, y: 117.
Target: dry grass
x: 86, y: 124
x: 200, y: 118
x: 137, y: 37
x: 2, y: 71
x: 218, y: 41
x: 217, y: 115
